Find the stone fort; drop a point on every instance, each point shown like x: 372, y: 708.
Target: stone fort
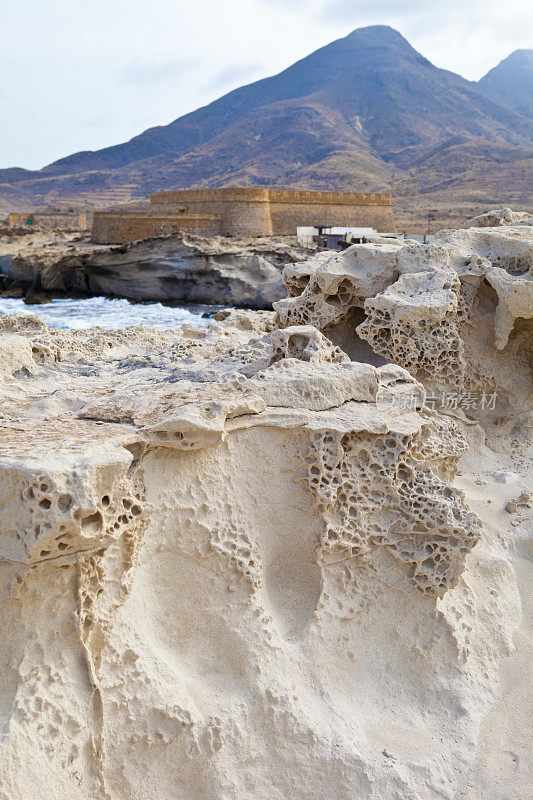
x: 49, y: 220
x: 243, y: 212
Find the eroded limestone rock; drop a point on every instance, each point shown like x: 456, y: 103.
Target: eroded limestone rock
x: 238, y: 564
x: 456, y: 313
x: 242, y: 272
x: 500, y: 216
x: 180, y: 531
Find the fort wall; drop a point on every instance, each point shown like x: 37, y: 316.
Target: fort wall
x: 245, y: 212
x: 119, y: 227
x: 289, y: 210
x: 64, y: 220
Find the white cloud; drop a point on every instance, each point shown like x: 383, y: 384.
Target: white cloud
x: 146, y: 72
x: 233, y: 74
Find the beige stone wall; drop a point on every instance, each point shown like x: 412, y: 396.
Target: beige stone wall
x: 267, y: 212
x: 289, y: 210
x: 215, y: 198
x: 49, y: 221
x: 244, y: 212
x: 247, y: 218
x: 118, y: 227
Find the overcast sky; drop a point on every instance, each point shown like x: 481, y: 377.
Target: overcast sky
x: 85, y: 74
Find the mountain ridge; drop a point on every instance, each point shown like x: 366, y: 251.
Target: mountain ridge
x: 511, y: 82
x: 364, y: 113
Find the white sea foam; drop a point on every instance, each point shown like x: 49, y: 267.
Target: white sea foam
x: 103, y: 312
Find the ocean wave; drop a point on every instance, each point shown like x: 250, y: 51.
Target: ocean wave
x: 104, y: 313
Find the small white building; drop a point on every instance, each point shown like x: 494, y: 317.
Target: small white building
x: 332, y: 238
x: 337, y: 238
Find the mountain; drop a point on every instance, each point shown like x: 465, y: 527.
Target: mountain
x: 365, y: 113
x: 511, y: 82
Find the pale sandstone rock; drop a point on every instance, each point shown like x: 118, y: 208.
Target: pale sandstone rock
x: 524, y: 500
x: 237, y: 564
x: 501, y: 216
x: 455, y: 313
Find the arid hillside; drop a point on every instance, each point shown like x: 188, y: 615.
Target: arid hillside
x: 365, y: 113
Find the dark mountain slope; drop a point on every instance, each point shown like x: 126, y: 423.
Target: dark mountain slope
x: 511, y: 82
x: 399, y: 98
x: 366, y: 112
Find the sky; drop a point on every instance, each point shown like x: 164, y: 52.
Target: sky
x: 85, y: 74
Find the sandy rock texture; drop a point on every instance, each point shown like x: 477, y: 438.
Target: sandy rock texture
x: 500, y: 216
x: 238, y: 563
x: 456, y: 313
x: 186, y: 269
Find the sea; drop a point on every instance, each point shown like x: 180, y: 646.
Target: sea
x: 114, y: 314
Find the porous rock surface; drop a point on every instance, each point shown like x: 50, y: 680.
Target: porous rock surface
x: 456, y: 313
x: 231, y: 571
x: 500, y: 216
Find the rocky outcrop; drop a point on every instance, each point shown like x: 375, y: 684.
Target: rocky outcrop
x: 237, y: 563
x: 185, y: 269
x: 455, y: 313
x: 500, y: 216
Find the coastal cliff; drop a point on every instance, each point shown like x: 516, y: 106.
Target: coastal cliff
x: 281, y: 555
x: 177, y: 268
